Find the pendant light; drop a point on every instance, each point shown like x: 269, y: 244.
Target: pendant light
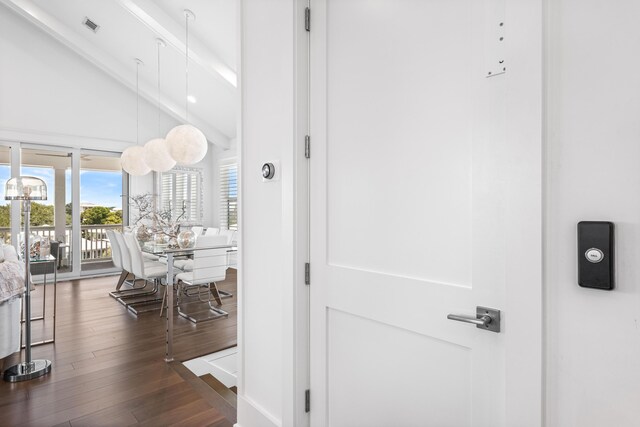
x: 156, y: 151
x: 132, y: 159
x: 187, y: 144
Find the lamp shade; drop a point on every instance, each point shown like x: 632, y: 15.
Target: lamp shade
x: 25, y: 188
x: 187, y: 144
x: 132, y: 161
x: 156, y: 155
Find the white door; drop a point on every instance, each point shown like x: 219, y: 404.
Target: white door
x: 425, y: 202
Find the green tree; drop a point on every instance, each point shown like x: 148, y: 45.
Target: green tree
x: 68, y: 208
x: 114, y: 217
x: 41, y: 214
x: 95, y: 215
x: 5, y: 215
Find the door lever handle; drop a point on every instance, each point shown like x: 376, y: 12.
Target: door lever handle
x: 486, y: 318
x: 480, y: 321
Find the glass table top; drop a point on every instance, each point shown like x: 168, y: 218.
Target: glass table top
x: 161, y: 249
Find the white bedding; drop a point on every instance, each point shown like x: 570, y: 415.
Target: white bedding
x: 11, y: 274
x: 10, y: 327
x: 11, y: 289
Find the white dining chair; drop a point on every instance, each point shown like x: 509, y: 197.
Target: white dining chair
x: 148, y: 271
x: 208, y: 267
x: 229, y: 234
x: 212, y: 231
x: 125, y: 259
x: 116, y: 257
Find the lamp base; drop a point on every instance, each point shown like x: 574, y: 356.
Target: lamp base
x: 27, y: 371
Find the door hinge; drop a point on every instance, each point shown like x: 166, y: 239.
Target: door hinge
x: 307, y: 19
x: 307, y: 400
x: 307, y: 146
x: 307, y: 273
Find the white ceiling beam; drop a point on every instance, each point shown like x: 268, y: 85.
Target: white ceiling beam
x: 166, y: 27
x: 109, y: 65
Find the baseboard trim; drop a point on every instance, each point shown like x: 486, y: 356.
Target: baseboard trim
x: 251, y: 414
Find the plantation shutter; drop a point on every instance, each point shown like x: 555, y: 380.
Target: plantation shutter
x: 229, y: 196
x: 180, y: 193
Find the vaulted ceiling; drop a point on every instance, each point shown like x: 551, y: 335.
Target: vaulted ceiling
x: 128, y: 29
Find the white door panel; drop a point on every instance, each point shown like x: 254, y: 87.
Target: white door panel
x: 356, y: 362
x: 393, y: 122
x: 416, y: 213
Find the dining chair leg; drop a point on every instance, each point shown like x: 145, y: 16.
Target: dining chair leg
x: 123, y: 277
x: 215, y: 292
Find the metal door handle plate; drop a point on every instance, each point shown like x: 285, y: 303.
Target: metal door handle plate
x: 486, y: 318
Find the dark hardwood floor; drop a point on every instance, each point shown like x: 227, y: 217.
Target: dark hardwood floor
x: 109, y: 369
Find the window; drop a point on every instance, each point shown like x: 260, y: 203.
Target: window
x: 181, y: 193
x: 229, y: 196
x: 5, y: 209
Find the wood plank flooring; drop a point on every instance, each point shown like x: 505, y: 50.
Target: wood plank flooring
x: 109, y: 369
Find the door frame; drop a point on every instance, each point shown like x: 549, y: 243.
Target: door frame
x: 295, y: 309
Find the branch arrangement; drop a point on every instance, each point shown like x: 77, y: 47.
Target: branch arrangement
x: 151, y: 219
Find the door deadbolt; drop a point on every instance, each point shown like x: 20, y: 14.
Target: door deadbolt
x: 268, y: 170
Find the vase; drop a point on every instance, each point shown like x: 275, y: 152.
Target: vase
x: 187, y: 239
x: 143, y: 234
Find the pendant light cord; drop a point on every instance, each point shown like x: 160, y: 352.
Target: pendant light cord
x: 186, y: 66
x: 137, y: 103
x: 158, y: 99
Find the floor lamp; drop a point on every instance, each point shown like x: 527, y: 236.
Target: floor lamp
x: 26, y: 188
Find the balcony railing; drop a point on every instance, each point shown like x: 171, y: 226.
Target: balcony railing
x: 94, y: 243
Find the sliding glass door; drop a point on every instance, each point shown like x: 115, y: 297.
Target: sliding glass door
x: 51, y: 219
x: 101, y: 208
x: 87, y: 195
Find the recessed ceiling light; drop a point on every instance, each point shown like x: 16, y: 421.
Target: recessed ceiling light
x: 192, y: 99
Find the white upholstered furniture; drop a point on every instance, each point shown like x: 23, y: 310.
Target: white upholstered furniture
x: 12, y: 270
x: 212, y: 231
x: 208, y: 266
x: 116, y: 256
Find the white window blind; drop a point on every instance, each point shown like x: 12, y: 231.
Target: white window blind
x: 180, y: 193
x: 229, y: 196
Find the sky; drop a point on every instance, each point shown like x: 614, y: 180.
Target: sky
x: 96, y: 187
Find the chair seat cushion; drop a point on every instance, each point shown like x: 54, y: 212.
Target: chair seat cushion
x: 187, y: 278
x: 184, y: 264
x: 157, y: 270
x: 150, y: 257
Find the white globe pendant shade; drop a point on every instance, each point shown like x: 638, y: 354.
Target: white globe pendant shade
x: 187, y: 144
x: 132, y: 161
x: 156, y: 155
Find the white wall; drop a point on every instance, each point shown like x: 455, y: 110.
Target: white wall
x: 272, y: 223
x: 51, y: 95
x: 593, y: 151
